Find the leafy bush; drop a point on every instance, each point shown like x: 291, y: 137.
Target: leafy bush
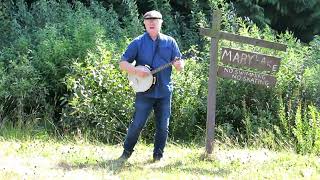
x: 311, y: 79
x: 41, y: 44
x: 101, y: 104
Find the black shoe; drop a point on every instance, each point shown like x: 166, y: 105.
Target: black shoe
x: 125, y: 155
x: 156, y: 157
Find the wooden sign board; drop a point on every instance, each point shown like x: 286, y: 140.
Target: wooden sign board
x: 249, y: 59
x: 241, y: 75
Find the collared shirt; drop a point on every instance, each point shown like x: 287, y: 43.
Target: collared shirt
x: 156, y: 53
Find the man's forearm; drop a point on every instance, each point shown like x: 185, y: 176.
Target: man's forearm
x: 127, y: 67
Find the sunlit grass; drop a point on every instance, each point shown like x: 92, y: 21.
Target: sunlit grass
x: 50, y: 158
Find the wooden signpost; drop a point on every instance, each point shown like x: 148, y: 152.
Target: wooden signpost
x: 237, y: 58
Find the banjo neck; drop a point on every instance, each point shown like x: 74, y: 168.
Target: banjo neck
x: 163, y: 67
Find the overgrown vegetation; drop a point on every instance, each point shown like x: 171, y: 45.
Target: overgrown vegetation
x: 59, y: 71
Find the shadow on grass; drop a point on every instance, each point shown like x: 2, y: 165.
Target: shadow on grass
x: 113, y: 166
x: 179, y: 166
x: 117, y: 166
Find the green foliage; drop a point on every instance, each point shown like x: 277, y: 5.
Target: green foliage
x: 41, y: 44
x: 311, y: 79
x: 189, y: 102
x: 101, y: 103
x: 22, y: 91
x: 299, y: 131
x: 7, y: 24
x: 109, y: 20
x: 247, y: 122
x: 306, y: 130
x: 131, y: 19
x: 300, y: 17
x: 283, y: 122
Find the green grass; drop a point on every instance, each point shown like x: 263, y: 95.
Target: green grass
x: 42, y: 160
x: 49, y: 158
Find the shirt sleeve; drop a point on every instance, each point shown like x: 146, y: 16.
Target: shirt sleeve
x: 131, y: 52
x: 175, y: 50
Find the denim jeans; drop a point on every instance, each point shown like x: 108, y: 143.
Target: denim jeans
x: 143, y: 107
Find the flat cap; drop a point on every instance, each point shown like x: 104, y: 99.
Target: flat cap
x: 152, y: 15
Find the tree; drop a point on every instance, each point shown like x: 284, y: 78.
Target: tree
x: 299, y: 16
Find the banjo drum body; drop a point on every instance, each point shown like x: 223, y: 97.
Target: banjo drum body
x: 140, y: 84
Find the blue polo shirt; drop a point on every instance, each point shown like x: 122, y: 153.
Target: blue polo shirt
x: 156, y: 53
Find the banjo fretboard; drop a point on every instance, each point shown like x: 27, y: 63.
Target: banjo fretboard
x: 163, y: 67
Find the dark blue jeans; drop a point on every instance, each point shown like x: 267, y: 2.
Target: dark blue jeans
x: 143, y: 107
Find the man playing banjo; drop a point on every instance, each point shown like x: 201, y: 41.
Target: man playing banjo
x: 152, y: 49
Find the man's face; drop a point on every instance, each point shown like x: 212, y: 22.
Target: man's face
x: 153, y: 26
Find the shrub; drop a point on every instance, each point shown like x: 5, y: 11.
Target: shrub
x: 101, y: 104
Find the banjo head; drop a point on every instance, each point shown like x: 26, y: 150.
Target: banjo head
x: 140, y: 84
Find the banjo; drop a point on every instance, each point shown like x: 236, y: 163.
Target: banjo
x: 142, y: 84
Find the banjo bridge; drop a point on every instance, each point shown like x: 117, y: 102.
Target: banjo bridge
x: 154, y: 80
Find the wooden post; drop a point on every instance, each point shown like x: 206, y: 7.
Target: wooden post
x: 211, y: 107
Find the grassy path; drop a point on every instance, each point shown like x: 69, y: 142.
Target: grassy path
x: 37, y: 159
